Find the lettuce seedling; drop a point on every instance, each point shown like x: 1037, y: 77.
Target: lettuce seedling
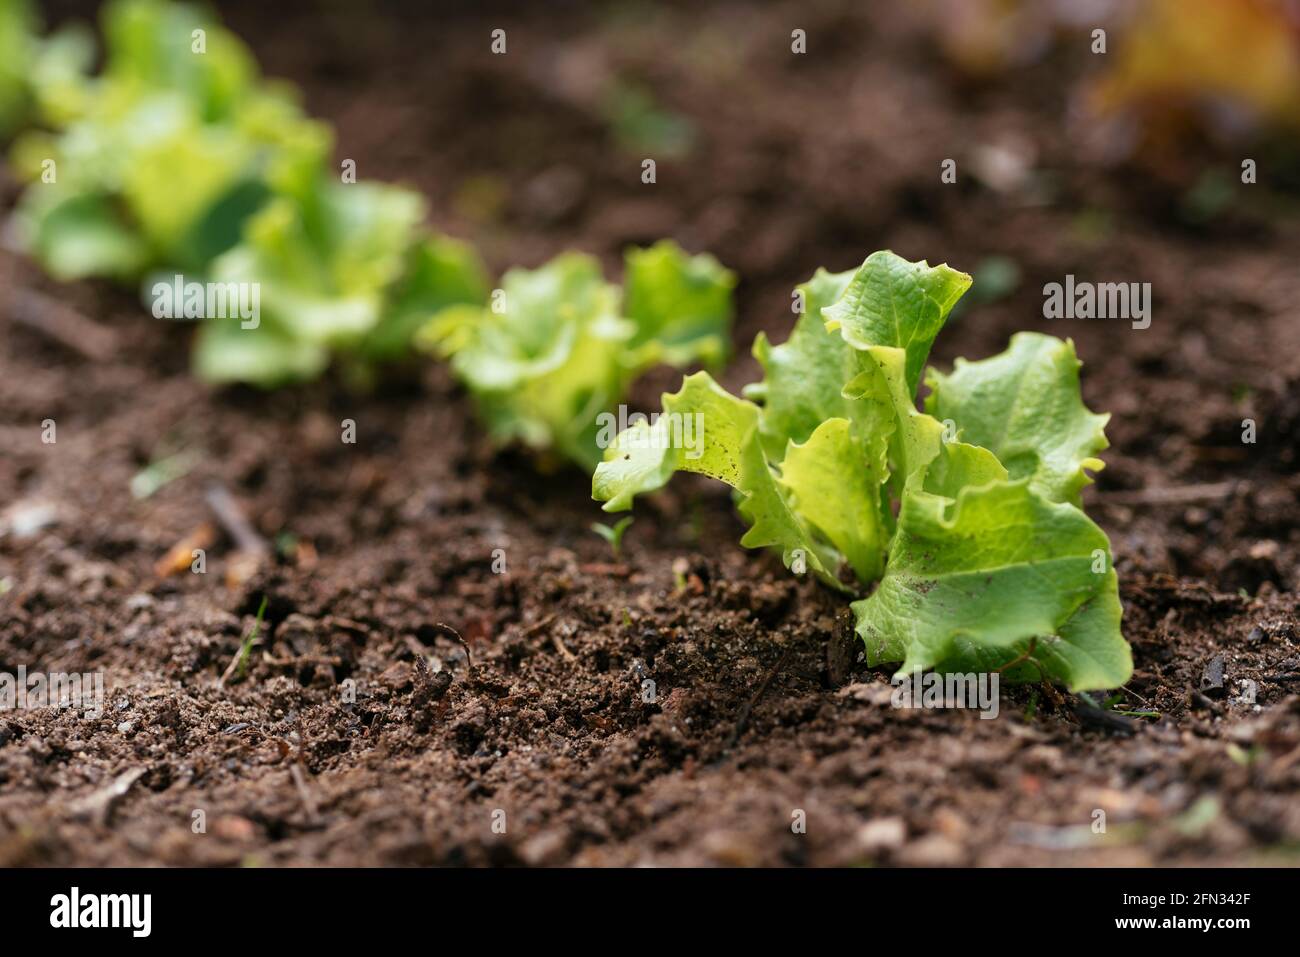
x: 965, y: 517
x: 559, y: 345
x: 157, y: 160
x: 179, y: 160
x: 613, y: 534
x: 42, y: 77
x: 341, y: 269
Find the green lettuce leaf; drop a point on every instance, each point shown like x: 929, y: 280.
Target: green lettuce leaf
x: 544, y: 362
x: 833, y: 482
x: 804, y: 377
x: 893, y: 302
x: 83, y: 235
x: 680, y: 304
x: 38, y: 73
x: 560, y: 346
x: 59, y: 75
x: 340, y: 268
x: 18, y: 50
x: 267, y: 356
x: 149, y: 47
x: 707, y: 430
x: 889, y: 314
x: 440, y: 272
x: 970, y: 584
x: 914, y: 437
x: 1024, y: 406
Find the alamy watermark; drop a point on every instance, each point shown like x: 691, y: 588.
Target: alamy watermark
x: 931, y: 690
x: 1098, y: 300
x: 74, y: 909
x: 179, y: 299
x: 666, y: 430
x: 56, y: 689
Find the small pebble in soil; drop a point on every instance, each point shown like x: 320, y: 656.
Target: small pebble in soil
x: 933, y: 850
x: 1212, y: 678
x: 882, y: 834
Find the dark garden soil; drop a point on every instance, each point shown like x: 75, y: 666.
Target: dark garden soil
x: 762, y: 707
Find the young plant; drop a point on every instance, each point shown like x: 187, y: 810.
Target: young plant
x: 341, y: 269
x: 559, y: 345
x: 178, y: 159
x: 240, y: 663
x: 614, y: 534
x: 159, y: 159
x: 965, y: 517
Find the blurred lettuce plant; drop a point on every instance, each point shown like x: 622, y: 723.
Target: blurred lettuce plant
x: 559, y: 345
x: 180, y: 158
x: 343, y: 269
x: 159, y: 159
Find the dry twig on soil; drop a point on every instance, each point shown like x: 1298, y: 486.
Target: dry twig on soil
x: 61, y: 323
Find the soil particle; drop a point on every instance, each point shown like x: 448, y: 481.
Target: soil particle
x: 1212, y: 679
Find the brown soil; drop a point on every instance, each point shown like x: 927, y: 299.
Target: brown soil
x: 761, y: 707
